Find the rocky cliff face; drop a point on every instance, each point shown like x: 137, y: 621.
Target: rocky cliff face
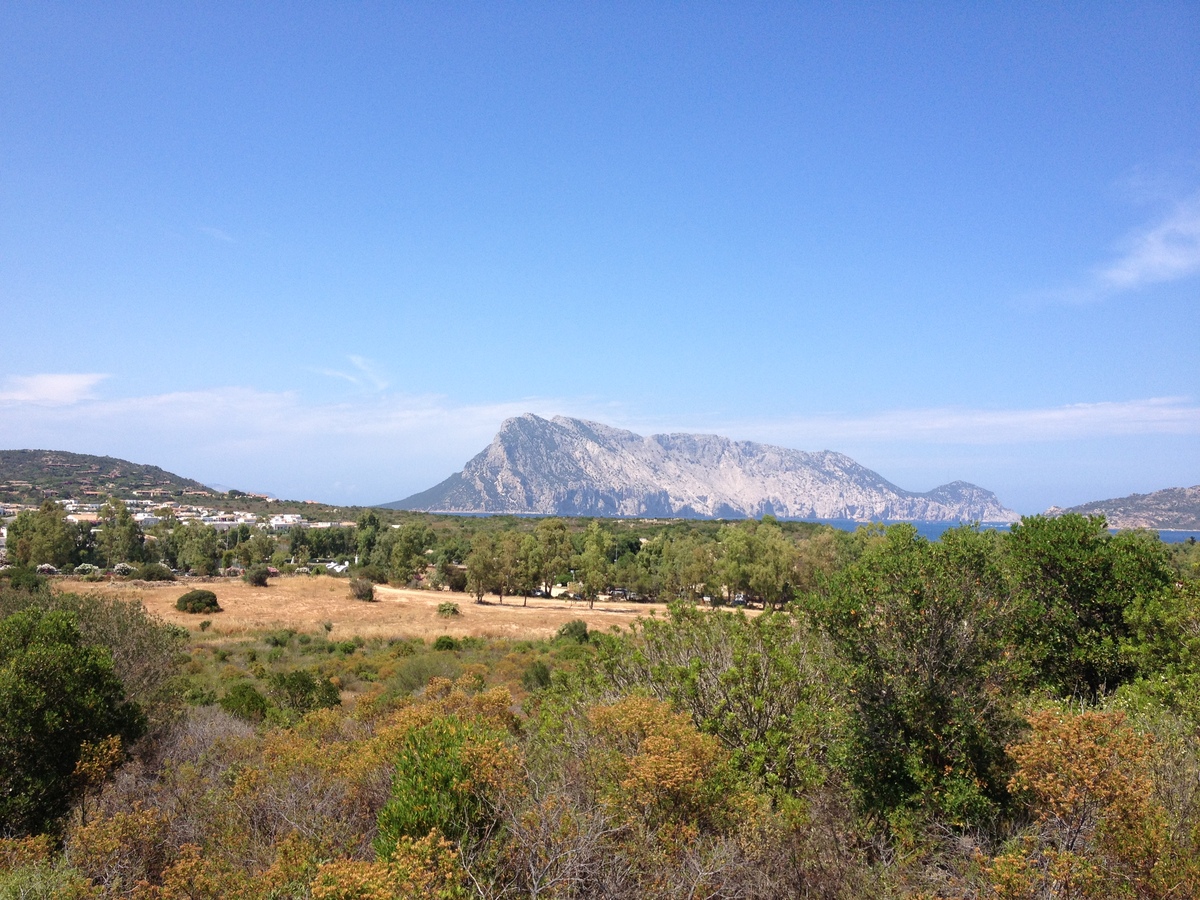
x: 1172, y: 508
x: 573, y: 467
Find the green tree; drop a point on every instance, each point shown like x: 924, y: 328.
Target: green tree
x: 594, y: 565
x: 772, y: 571
x: 197, y: 547
x: 1075, y: 582
x: 407, y: 558
x: 761, y: 685
x: 738, y: 552
x: 59, y: 695
x: 119, y: 538
x: 367, y: 533
x: 554, y: 544
x: 924, y: 630
x: 482, y: 565
x: 45, y: 536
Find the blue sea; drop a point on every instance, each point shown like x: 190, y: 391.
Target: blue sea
x: 933, y: 530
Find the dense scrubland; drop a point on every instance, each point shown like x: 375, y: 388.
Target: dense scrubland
x: 1007, y: 715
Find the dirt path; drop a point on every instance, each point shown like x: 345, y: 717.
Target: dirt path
x: 305, y: 603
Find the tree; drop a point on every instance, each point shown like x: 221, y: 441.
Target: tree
x: 593, y: 561
x: 772, y: 570
x: 119, y: 538
x: 407, y: 557
x: 1075, y: 583
x: 924, y: 630
x: 45, y: 536
x: 530, y: 565
x: 554, y: 542
x: 368, y: 527
x: 737, y: 558
x: 197, y: 547
x: 482, y: 565
x: 59, y: 696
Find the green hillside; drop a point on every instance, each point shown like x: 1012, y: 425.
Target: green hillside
x: 30, y: 476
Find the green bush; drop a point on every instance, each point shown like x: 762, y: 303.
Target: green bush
x: 198, y: 601
x: 257, y: 575
x: 575, y: 630
x: 300, y: 692
x: 445, y: 642
x: 536, y: 677
x: 58, y: 693
x: 375, y: 574
x: 244, y: 701
x: 24, y: 579
x: 279, y: 638
x: 448, y: 609
x: 362, y: 589
x: 434, y: 784
x: 155, y: 572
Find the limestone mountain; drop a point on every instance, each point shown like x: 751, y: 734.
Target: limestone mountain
x: 1171, y: 508
x: 564, y: 466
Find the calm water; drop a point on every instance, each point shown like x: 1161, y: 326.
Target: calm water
x: 933, y: 530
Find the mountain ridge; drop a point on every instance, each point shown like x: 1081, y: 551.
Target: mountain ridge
x: 1168, y: 509
x: 565, y: 466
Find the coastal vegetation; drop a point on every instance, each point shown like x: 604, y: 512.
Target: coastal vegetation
x: 987, y: 715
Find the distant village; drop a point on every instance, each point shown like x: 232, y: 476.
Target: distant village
x: 148, y: 508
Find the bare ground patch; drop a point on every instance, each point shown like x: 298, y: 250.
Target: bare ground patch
x: 305, y: 603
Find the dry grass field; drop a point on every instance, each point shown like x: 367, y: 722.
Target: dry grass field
x: 306, y: 603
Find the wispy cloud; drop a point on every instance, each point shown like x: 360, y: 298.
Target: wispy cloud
x: 366, y: 374
x: 383, y: 445
x: 1164, y: 251
x: 1159, y: 415
x: 216, y: 234
x: 50, y: 389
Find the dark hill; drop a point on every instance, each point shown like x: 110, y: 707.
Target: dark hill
x: 30, y: 476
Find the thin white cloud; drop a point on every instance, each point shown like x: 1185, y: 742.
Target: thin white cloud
x: 50, y: 389
x: 236, y: 416
x: 366, y: 374
x: 1154, y: 416
x: 1164, y: 251
x: 216, y: 234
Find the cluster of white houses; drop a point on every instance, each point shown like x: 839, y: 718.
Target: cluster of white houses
x: 148, y: 513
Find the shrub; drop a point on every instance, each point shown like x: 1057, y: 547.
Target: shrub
x: 448, y: 609
x: 445, y: 642
x: 575, y: 630
x: 279, y: 638
x: 22, y: 579
x: 86, y: 569
x: 206, y: 624
x: 444, y: 776
x: 155, y: 572
x: 46, y: 569
x: 456, y: 580
x: 59, y: 695
x: 362, y: 589
x: 376, y: 574
x: 244, y: 701
x: 301, y: 692
x: 198, y: 601
x: 123, y: 569
x: 536, y: 677
x: 257, y: 576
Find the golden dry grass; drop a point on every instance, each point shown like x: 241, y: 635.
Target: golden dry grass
x: 305, y: 603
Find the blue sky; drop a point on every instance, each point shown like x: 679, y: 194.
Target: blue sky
x: 323, y: 250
